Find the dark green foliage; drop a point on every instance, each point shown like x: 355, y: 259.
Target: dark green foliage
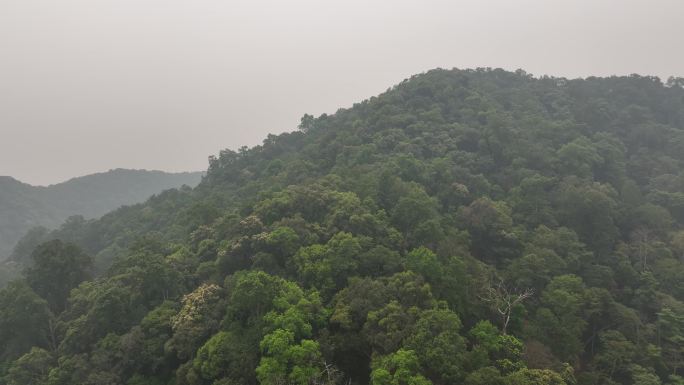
x: 25, y: 321
x: 56, y: 269
x: 475, y: 227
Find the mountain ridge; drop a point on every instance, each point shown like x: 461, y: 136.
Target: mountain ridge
x: 110, y: 171
x: 25, y: 206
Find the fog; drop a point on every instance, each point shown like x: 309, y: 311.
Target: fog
x: 89, y: 85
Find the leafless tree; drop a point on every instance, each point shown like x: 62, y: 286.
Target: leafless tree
x: 330, y: 375
x: 504, y: 300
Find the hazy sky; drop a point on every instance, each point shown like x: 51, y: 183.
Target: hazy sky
x: 89, y: 85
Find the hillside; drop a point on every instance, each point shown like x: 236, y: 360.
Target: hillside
x: 24, y: 206
x: 465, y: 227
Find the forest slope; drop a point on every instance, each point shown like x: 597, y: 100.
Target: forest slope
x: 464, y: 227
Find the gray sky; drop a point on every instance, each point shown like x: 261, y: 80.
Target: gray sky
x: 89, y: 85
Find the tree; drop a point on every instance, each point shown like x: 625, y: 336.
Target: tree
x: 197, y: 319
x: 439, y: 346
x: 327, y: 267
x: 547, y: 253
x: 484, y: 376
x: 644, y: 376
x: 400, y: 368
x: 152, y: 275
x: 307, y: 122
x: 505, y: 301
x: 616, y: 353
x: 286, y: 361
x: 287, y: 352
x: 590, y: 210
x: 228, y: 356
x: 531, y: 200
x: 415, y: 215
x: 25, y: 321
x: 490, y: 348
x: 558, y: 321
x: 579, y: 158
x: 30, y: 369
x: 446, y: 275
x: 671, y: 330
x: 96, y: 309
x: 675, y: 82
x: 387, y: 327
x: 57, y: 268
x: 677, y: 243
x: 251, y: 296
x: 534, y: 377
x: 490, y: 226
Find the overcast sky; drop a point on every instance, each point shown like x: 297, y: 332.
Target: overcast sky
x: 89, y: 85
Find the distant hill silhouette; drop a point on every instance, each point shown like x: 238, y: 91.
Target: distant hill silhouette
x: 23, y: 206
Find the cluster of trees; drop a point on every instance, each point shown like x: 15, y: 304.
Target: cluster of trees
x: 466, y: 227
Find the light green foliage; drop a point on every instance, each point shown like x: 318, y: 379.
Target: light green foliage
x: 490, y: 348
x: 72, y: 369
x: 288, y: 354
x: 283, y: 241
x: 446, y: 276
x: 250, y: 296
x: 387, y: 327
x: 296, y: 311
x: 287, y: 361
x: 224, y: 355
x: 327, y: 267
x: 534, y: 377
x: 400, y: 368
x: 616, y: 353
x: 30, y: 369
x: 440, y: 348
x: 643, y: 376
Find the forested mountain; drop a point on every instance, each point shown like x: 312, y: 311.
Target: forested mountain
x: 23, y: 206
x: 475, y: 227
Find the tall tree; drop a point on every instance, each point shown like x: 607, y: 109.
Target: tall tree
x: 57, y: 268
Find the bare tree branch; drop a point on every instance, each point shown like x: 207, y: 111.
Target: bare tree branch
x: 504, y: 300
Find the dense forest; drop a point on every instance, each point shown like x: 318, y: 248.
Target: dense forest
x: 24, y: 206
x: 477, y: 227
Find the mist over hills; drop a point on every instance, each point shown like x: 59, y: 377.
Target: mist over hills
x: 477, y: 227
x: 23, y: 206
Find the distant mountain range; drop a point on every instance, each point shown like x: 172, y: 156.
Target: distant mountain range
x: 23, y: 206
